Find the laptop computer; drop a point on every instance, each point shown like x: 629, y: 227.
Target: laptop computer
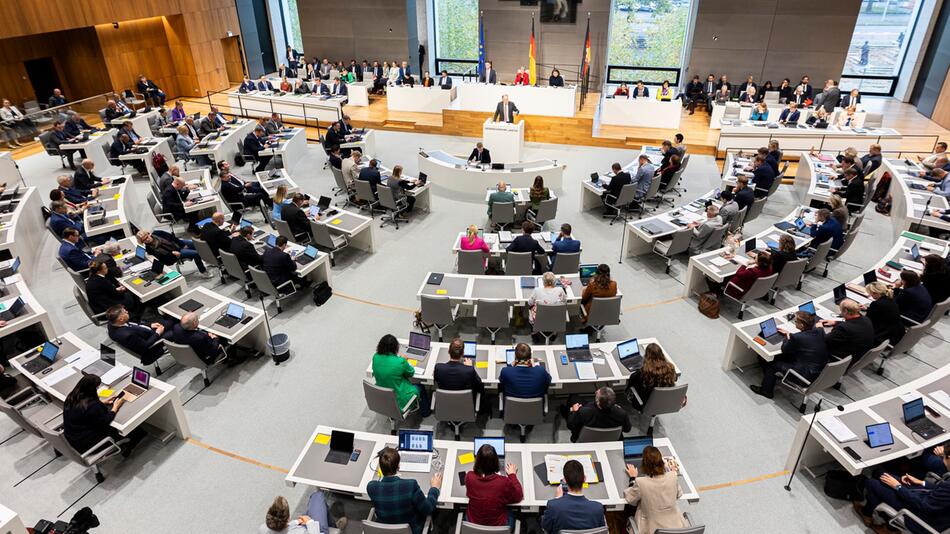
x: 808, y: 307
x: 916, y: 420
x: 768, y: 331
x: 308, y: 255
x: 419, y: 344
x: 415, y: 451
x: 586, y: 272
x: 423, y: 178
x: 915, y: 252
x: 45, y: 359
x: 341, y: 447
x: 595, y: 178
x: 870, y: 277
x: 154, y: 271
x: 232, y: 315
x: 138, y: 258
x: 879, y: 435
x: 139, y: 385
x: 271, y: 241
x: 578, y: 347
x: 750, y: 245
x: 633, y: 449
x: 15, y: 310
x: 497, y: 443
x: 469, y: 350
x: 191, y: 305
x: 840, y: 293
x: 235, y: 218
x: 104, y: 364
x: 629, y: 354
x: 11, y: 269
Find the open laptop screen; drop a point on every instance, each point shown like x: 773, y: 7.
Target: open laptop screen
x: 633, y: 447
x: 768, y: 327
x: 415, y: 440
x: 576, y: 341
x: 418, y: 340
x: 496, y: 443
x: 140, y: 377
x: 628, y: 348
x: 913, y: 410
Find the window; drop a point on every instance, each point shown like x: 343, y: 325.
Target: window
x: 291, y: 24
x: 878, y: 45
x: 456, y: 35
x: 647, y: 39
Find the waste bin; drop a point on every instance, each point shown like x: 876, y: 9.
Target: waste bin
x: 279, y: 347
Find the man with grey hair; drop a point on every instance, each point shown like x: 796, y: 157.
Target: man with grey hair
x: 644, y: 177
x: 205, y: 344
x: 351, y: 168
x: 500, y: 195
x: 602, y: 412
x: 703, y: 229
x: 85, y: 179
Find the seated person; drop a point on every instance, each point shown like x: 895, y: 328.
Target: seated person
x: 280, y: 267
x: 665, y: 173
x: 784, y: 254
x: 702, y: 230
x: 853, y: 190
x: 853, y: 336
x: 600, y: 286
x: 254, y: 143
x: 458, y: 373
x: 489, y: 492
x: 479, y: 154
x: 183, y: 141
x: 936, y: 278
x: 620, y: 178
x: 538, y: 194
x: 103, y: 291
x: 87, y: 419
x: 622, y: 90
x: 60, y: 218
x: 244, y: 250
x: 169, y: 249
x: 760, y: 113
x: 205, y: 344
x: 804, y: 351
x: 929, y: 502
x: 939, y: 152
x: 174, y: 201
x: 825, y: 227
x: 85, y: 179
x: 884, y: 314
x: 140, y: 339
x: 555, y: 80
x: 602, y: 412
x: 73, y: 193
x: 315, y: 521
x: 471, y: 240
x: 547, y: 293
x: 399, y: 185
x: 523, y: 379
x: 215, y: 236
x: 913, y: 299
x: 371, y: 174
x: 295, y: 216
x: 657, y: 372
x: 743, y: 194
x: 393, y: 371
x: 237, y: 191
x: 572, y: 510
x: 399, y: 501
x: 655, y: 491
x: 526, y: 243
x: 745, y: 277
x: 564, y: 242
x: 763, y: 175
x: 501, y: 194
x: 942, y: 187
x: 71, y: 252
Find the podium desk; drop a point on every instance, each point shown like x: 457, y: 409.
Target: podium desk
x: 504, y: 140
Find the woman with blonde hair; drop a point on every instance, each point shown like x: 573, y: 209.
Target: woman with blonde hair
x: 657, y: 372
x: 835, y: 201
x: 884, y: 314
x: 280, y: 198
x: 472, y: 241
x: 315, y: 521
x: 546, y: 294
x: 654, y: 490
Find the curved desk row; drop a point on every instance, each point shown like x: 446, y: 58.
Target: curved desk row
x: 97, y: 146
x: 591, y: 193
x: 641, y: 112
x: 112, y: 199
x: 456, y: 175
x: 643, y: 233
x: 312, y: 469
x: 911, y: 202
x: 22, y: 229
x: 223, y: 145
x: 475, y: 287
x: 797, y: 139
x: 212, y: 306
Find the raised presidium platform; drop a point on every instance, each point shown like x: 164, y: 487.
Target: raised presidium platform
x: 21, y: 224
x: 592, y: 192
x: 420, y: 99
x: 262, y: 103
x: 159, y: 406
x: 455, y: 174
x: 605, y: 460
x: 475, y: 287
x: 640, y: 112
x: 795, y: 140
x: 607, y: 365
x: 716, y: 117
x: 504, y: 140
x: 530, y: 100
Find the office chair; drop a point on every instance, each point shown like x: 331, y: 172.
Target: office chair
x: 207, y: 256
x: 438, y: 311
x: 547, y: 211
x: 91, y: 459
x: 186, y: 356
x: 791, y: 275
x: 663, y: 400
x: 595, y: 435
x: 51, y: 149
x: 283, y: 228
x: 98, y: 319
x: 394, y: 206
x: 596, y: 530
x: 632, y: 527
x: 820, y: 254
x: 678, y: 244
x: 326, y: 241
x: 364, y: 192
x: 865, y: 360
x: 829, y: 376
x: 265, y: 286
x: 604, y: 312
x: 911, y: 336
x: 523, y: 412
x: 464, y: 527
x: 232, y: 267
x: 759, y: 289
x: 616, y: 207
x: 471, y: 262
x: 41, y: 411
x: 519, y: 263
x: 492, y: 315
x: 566, y: 263
x: 383, y: 401
x: 502, y: 214
x: 755, y: 209
x: 455, y: 408
x: 550, y: 320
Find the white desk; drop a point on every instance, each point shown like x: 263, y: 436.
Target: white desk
x: 550, y: 101
x: 289, y: 106
x: 22, y: 231
x: 591, y: 193
x: 420, y: 99
x: 95, y: 148
x: 290, y: 148
x: 795, y: 140
x: 504, y: 140
x: 112, y: 198
x: 910, y: 201
x: 641, y: 112
x: 251, y: 334
x: 139, y: 122
x: 745, y: 111
x: 223, y: 146
x: 365, y: 141
x: 160, y: 406
x: 270, y: 183
x: 496, y: 248
x: 205, y: 185
x: 474, y: 287
x: 357, y: 228
x: 643, y: 233
x: 454, y: 174
x: 422, y: 193
x: 152, y: 144
x: 311, y: 469
x: 358, y: 93
x: 33, y: 315
x: 10, y: 522
x: 815, y: 179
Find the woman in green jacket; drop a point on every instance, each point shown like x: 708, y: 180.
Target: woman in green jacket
x: 394, y: 372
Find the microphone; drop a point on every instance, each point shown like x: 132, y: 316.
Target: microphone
x: 801, y: 451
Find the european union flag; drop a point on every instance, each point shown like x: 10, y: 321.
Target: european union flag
x: 481, y: 45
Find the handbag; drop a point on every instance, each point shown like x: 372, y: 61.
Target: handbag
x: 322, y: 293
x: 709, y: 305
x: 842, y: 485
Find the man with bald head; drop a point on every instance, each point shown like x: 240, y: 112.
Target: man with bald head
x: 853, y: 335
x: 216, y: 234
x: 85, y: 178
x: 205, y: 344
x: 501, y: 194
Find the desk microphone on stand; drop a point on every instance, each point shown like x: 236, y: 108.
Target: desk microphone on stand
x: 926, y: 208
x: 801, y: 451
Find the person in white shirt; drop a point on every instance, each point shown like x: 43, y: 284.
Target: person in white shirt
x: 940, y: 150
x: 546, y: 294
x: 12, y: 117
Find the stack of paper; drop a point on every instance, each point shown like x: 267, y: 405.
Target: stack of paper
x: 941, y: 397
x: 585, y: 370
x: 554, y: 463
x: 838, y: 430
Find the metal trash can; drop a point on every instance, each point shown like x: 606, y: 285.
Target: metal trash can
x: 279, y: 347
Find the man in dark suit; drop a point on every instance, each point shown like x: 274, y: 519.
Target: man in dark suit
x: 526, y: 243
x: 749, y: 84
x: 808, y: 91
x: 505, y: 110
x: 480, y: 154
x: 58, y: 136
x: 832, y: 96
x: 724, y: 82
x: 640, y: 91
x: 804, y: 351
x: 85, y: 179
x: 264, y: 85
x: 280, y: 267
x: 564, y: 242
x: 75, y: 125
x: 371, y: 174
x: 242, y: 248
x: 237, y: 191
x: 763, y: 174
x: 60, y: 219
x: 709, y: 90
x: 319, y: 88
x: 174, y: 200
x: 71, y: 252
x: 826, y: 227
x: 457, y: 373
x: 790, y: 114
x: 338, y: 88
x: 744, y: 195
x: 851, y: 337
x: 217, y: 238
x: 209, y: 125
x: 853, y: 190
x: 445, y: 82
x: 254, y: 143
x: 488, y: 74
x: 295, y: 216
x: 603, y: 412
x: 205, y: 344
x: 73, y: 193
x: 872, y: 160
x: 139, y: 339
x: 151, y: 91
x: 334, y: 136
x: 112, y: 111
x: 693, y: 94
x: 620, y: 179
x: 121, y: 146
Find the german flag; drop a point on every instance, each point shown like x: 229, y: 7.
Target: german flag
x: 532, y: 58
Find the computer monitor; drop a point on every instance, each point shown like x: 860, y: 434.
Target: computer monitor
x: 497, y: 443
x: 17, y: 306
x: 628, y: 348
x: 879, y: 435
x: 49, y: 351
x: 913, y: 410
x: 800, y: 223
x: 236, y: 217
x: 808, y: 307
x: 576, y: 341
x: 141, y: 377
x: 768, y: 327
x: 235, y: 310
x: 415, y: 440
x: 469, y: 349
x: 418, y: 340
x: 15, y: 266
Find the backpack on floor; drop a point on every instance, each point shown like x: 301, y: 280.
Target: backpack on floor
x: 159, y: 163
x: 239, y: 160
x: 322, y: 293
x: 842, y: 485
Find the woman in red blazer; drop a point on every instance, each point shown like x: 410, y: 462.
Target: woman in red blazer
x: 522, y: 77
x: 742, y: 281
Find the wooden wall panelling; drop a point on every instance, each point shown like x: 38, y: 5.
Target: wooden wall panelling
x: 941, y: 113
x: 209, y: 23
x: 233, y: 62
x: 138, y: 47
x: 184, y: 64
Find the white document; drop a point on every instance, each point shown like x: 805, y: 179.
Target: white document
x: 600, y: 361
x: 941, y: 397
x: 741, y: 259
x: 83, y: 359
x: 116, y: 373
x: 585, y: 370
x: 719, y: 261
x: 838, y: 430
x: 59, y: 375
x: 554, y: 463
x: 917, y: 266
